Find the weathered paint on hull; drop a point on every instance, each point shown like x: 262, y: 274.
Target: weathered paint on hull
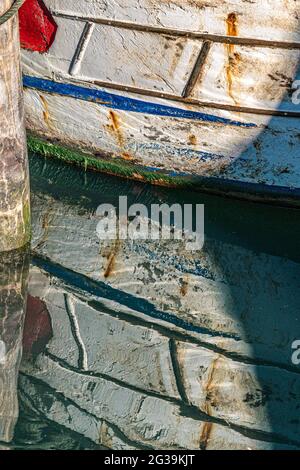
x: 153, y: 346
x: 187, y: 90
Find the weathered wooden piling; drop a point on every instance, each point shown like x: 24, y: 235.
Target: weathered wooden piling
x: 14, y: 179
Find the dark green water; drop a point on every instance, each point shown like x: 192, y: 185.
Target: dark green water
x: 262, y: 231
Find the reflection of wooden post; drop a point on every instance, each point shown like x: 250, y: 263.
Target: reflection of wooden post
x: 14, y: 188
x: 13, y: 285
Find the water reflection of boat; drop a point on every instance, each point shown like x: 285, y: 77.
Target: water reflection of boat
x: 168, y: 92
x: 164, y: 349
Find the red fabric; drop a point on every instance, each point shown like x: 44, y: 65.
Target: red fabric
x: 37, y: 26
x: 37, y: 328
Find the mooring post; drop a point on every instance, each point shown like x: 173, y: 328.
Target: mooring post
x: 14, y: 176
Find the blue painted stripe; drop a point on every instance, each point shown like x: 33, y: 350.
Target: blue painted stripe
x: 123, y: 103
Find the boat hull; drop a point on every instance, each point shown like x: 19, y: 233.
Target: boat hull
x: 213, y: 105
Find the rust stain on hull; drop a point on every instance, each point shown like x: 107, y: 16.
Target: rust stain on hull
x: 232, y: 25
x: 111, y: 259
x: 207, y: 427
x: 192, y: 139
x: 179, y: 49
x: 110, y: 265
x: 184, y: 287
x: 233, y: 57
x: 205, y: 435
x: 46, y: 113
x: 127, y: 156
x: 115, y: 128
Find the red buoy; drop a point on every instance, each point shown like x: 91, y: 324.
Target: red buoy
x: 37, y: 26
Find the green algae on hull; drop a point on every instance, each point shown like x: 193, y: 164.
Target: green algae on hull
x: 103, y: 164
x: 224, y: 187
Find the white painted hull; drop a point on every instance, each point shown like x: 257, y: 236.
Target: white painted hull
x: 186, y: 90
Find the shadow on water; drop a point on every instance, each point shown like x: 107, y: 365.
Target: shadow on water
x: 252, y: 254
